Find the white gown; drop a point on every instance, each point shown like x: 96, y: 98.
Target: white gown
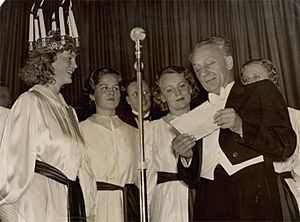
x: 42, y: 127
x: 3, y: 116
x: 168, y: 201
x: 113, y: 154
x: 293, y: 163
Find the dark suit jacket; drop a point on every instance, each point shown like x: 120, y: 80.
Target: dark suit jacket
x: 267, y: 129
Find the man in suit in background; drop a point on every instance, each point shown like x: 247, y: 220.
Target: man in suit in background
x: 130, y: 115
x: 234, y: 176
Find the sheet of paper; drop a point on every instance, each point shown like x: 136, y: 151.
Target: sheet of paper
x: 198, y: 122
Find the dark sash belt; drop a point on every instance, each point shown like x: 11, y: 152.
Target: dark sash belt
x: 163, y: 177
x: 286, y: 175
x: 76, y: 207
x: 130, y: 199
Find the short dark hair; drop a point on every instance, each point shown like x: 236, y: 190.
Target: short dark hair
x: 95, y: 76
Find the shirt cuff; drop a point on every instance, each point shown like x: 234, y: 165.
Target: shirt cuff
x: 186, y: 163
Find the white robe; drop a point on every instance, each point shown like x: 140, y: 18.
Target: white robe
x: 42, y: 127
x: 168, y: 201
x: 293, y: 163
x: 113, y: 154
x: 3, y: 116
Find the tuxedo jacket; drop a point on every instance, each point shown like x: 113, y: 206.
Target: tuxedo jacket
x: 266, y: 126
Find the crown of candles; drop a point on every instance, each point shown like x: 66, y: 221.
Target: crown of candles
x: 56, y: 39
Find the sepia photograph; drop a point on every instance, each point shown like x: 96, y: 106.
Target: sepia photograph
x: 149, y: 110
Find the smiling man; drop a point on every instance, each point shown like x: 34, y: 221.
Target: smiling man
x: 235, y: 181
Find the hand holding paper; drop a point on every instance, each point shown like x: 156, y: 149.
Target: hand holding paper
x: 198, y: 122
x: 183, y: 144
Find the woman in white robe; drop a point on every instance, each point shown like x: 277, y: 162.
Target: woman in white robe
x: 42, y: 132
x: 167, y: 195
x: 111, y: 147
x: 5, y: 104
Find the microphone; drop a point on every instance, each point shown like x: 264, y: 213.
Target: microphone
x: 137, y: 34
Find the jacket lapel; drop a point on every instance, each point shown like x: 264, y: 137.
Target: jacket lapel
x: 236, y: 97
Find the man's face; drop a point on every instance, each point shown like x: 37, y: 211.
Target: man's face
x: 133, y: 99
x: 253, y: 73
x: 212, y: 68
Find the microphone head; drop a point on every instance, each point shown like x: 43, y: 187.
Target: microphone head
x: 137, y: 33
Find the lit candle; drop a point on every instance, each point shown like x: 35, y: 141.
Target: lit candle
x: 42, y: 23
x: 31, y: 24
x: 36, y: 30
x: 73, y: 24
x: 53, y: 24
x: 30, y: 27
x: 61, y: 21
x: 69, y: 26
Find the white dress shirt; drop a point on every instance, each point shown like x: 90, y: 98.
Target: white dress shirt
x: 212, y: 152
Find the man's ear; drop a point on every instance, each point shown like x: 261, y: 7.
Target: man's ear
x: 127, y: 100
x: 229, y: 62
x: 92, y: 97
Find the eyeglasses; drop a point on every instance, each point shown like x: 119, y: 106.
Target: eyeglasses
x: 135, y: 94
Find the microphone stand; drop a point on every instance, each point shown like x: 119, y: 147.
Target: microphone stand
x: 142, y: 164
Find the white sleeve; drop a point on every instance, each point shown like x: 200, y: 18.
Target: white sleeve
x: 89, y: 189
x: 18, y: 148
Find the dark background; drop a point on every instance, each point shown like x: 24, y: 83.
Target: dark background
x: 257, y: 29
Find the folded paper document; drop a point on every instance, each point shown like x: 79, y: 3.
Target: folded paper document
x: 199, y: 122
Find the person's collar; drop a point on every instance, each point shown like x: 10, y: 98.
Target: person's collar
x: 136, y: 113
x: 224, y: 92
x: 46, y: 91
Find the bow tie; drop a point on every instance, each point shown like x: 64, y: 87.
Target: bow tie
x: 145, y: 118
x: 213, y: 98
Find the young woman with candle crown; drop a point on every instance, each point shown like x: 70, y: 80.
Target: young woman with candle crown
x: 44, y: 172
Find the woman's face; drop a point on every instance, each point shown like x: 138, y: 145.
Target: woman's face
x: 64, y: 66
x: 253, y: 73
x: 176, y: 91
x: 107, y: 93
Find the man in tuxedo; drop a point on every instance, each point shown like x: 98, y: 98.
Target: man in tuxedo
x: 130, y: 116
x: 231, y: 168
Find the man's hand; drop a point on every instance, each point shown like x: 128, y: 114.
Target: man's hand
x: 183, y: 144
x: 229, y: 119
